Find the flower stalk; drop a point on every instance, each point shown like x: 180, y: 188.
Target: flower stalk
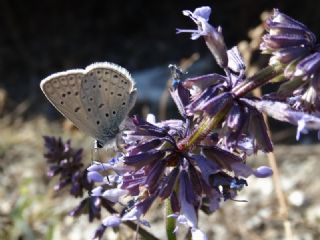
x: 257, y: 80
x: 204, y: 128
x: 170, y: 221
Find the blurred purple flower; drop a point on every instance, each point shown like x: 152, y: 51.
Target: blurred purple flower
x: 65, y: 161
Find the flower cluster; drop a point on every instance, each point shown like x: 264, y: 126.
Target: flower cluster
x: 65, y: 161
x: 153, y: 167
x: 199, y: 161
x: 292, y: 44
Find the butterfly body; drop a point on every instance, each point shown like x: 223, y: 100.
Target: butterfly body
x: 96, y: 99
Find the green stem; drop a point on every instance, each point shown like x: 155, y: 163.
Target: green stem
x: 170, y: 222
x: 257, y: 80
x: 206, y: 125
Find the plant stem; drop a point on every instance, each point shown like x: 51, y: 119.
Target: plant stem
x: 207, y: 124
x: 170, y: 221
x: 257, y: 80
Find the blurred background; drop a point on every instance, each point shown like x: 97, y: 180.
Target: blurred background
x: 38, y: 38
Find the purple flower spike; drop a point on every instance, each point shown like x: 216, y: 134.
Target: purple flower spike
x: 287, y: 40
x: 280, y: 23
x: 295, y: 48
x: 66, y: 161
x: 263, y: 172
x: 213, y: 37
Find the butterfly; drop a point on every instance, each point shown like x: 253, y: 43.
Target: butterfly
x: 96, y: 99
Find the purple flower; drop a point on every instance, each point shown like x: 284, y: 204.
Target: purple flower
x: 152, y: 167
x: 214, y: 95
x: 212, y: 36
x: 287, y: 39
x: 291, y: 43
x: 65, y: 161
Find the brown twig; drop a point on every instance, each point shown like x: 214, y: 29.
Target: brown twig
x: 283, y: 207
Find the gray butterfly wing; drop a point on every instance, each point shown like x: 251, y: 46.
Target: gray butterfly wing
x: 63, y: 91
x: 96, y: 99
x: 107, y: 94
